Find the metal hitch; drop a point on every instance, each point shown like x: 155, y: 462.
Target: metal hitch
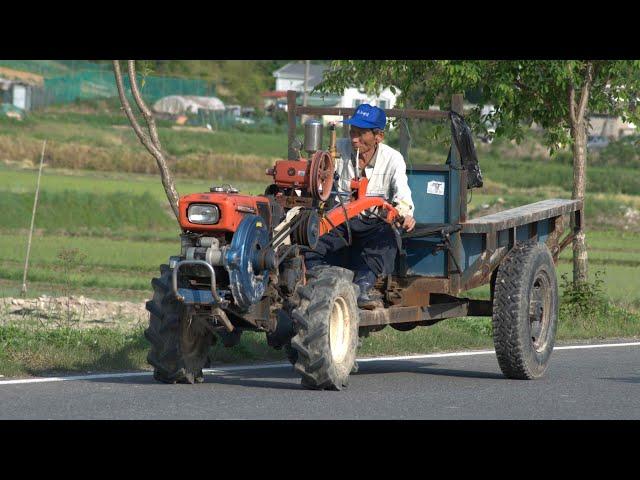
x: 194, y: 296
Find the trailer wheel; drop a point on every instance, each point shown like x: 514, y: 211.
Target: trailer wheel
x: 326, y: 326
x: 525, y: 311
x: 179, y: 347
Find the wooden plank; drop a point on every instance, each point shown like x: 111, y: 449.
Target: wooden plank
x: 392, y: 112
x: 515, y: 217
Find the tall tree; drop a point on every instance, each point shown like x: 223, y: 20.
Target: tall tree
x: 557, y: 95
x: 148, y: 138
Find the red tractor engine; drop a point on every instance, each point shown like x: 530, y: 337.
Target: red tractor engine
x: 309, y: 179
x: 220, y: 211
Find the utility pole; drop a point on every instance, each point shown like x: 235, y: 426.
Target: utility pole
x: 33, y: 217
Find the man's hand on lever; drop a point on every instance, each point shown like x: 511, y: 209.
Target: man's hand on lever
x: 407, y: 222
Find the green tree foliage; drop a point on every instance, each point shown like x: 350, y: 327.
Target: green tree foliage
x: 521, y: 92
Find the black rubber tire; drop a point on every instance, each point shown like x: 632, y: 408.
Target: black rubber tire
x: 319, y: 368
x: 292, y: 353
x: 525, y: 266
x: 179, y: 347
x: 292, y: 356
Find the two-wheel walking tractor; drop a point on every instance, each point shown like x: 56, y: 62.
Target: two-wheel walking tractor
x: 241, y: 266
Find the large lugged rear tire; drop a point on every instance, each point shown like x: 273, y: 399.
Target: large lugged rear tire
x: 525, y: 311
x: 326, y: 326
x: 179, y: 347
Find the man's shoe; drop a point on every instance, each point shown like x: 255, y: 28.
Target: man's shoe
x: 369, y: 303
x: 366, y: 299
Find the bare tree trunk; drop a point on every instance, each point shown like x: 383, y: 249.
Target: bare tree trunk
x: 580, y: 266
x: 152, y: 143
x: 578, y: 116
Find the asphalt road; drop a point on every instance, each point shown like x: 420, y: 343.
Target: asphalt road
x: 583, y: 383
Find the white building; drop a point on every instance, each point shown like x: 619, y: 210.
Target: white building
x: 291, y: 77
x: 611, y: 127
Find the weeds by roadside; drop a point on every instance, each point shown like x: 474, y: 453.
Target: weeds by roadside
x: 587, y: 312
x: 70, y: 260
x: 584, y: 299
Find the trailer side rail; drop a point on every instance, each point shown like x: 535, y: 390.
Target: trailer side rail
x: 523, y: 215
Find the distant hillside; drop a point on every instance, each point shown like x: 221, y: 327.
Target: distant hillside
x: 237, y: 81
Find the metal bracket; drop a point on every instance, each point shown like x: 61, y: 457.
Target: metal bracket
x: 447, y: 241
x: 174, y: 280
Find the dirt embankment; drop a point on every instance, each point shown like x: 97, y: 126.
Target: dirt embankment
x: 73, y: 311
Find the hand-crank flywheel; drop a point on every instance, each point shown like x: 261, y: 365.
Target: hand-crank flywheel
x: 321, y: 175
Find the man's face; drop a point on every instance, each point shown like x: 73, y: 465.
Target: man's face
x: 364, y: 139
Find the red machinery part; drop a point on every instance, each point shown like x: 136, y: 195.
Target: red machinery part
x: 232, y: 207
x: 314, y: 176
x: 321, y: 175
x: 291, y: 173
x: 337, y: 215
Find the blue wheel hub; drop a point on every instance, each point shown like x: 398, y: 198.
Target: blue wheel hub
x: 247, y: 275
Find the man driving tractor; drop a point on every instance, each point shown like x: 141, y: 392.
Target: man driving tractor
x: 366, y: 243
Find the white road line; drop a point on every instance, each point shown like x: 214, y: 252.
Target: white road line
x: 601, y: 345
x: 263, y: 366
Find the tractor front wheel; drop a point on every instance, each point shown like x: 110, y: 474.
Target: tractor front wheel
x: 179, y: 346
x: 326, y: 329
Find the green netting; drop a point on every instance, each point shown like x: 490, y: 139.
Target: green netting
x: 68, y: 80
x: 96, y: 84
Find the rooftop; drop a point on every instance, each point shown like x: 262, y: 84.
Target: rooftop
x: 296, y: 71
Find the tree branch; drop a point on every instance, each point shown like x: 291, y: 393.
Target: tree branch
x: 146, y: 113
x: 165, y: 174
x: 584, y: 96
x: 545, y: 101
x: 125, y: 104
x: 572, y: 104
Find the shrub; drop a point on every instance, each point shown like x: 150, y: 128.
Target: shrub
x: 583, y: 300
x: 624, y: 152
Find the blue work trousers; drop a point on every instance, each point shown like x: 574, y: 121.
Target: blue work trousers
x: 374, y: 246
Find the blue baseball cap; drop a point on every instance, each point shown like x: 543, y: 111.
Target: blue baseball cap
x: 368, y: 116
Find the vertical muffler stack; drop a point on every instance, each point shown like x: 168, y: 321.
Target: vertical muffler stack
x: 312, y: 136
